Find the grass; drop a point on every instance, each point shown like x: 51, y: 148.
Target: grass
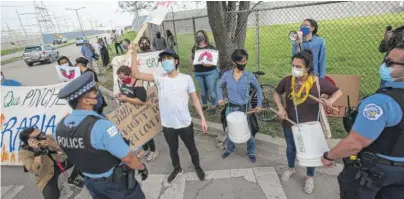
x: 352, y: 48
x: 11, y: 51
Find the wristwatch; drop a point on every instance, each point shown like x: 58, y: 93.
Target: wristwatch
x: 325, y: 156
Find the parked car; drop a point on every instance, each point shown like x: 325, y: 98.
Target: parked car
x: 79, y: 41
x: 61, y: 40
x: 40, y: 53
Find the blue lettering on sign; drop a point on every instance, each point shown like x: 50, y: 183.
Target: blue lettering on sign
x: 13, y: 127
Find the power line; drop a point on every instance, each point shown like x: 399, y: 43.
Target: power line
x: 78, y: 17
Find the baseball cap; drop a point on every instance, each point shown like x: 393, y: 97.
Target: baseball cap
x: 169, y: 52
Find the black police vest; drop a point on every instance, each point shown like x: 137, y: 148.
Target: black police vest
x: 391, y: 140
x: 76, y: 143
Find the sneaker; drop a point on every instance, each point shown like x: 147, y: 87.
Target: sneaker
x: 309, y: 185
x: 252, y: 158
x: 174, y: 175
x: 204, y: 108
x: 143, y: 153
x: 200, y: 173
x: 286, y: 174
x: 152, y: 155
x: 78, y: 184
x: 212, y: 111
x: 226, y: 154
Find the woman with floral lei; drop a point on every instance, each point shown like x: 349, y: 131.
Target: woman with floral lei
x: 299, y: 108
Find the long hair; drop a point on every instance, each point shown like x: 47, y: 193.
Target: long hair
x: 205, y: 35
x: 64, y: 57
x: 144, y: 38
x: 314, y: 24
x: 168, y: 32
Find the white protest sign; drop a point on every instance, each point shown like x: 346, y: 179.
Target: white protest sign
x: 206, y: 56
x: 67, y: 73
x: 23, y: 107
x: 157, y: 16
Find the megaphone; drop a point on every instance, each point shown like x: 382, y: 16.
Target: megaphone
x: 293, y: 35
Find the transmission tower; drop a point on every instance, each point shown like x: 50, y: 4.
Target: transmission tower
x: 44, y: 18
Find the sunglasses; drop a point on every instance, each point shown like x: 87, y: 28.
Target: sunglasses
x: 389, y: 63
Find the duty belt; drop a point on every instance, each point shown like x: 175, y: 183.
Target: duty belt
x: 384, y: 161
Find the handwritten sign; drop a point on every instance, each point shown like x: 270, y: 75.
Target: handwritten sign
x: 147, y: 63
x: 23, y: 107
x: 349, y: 85
x: 139, y: 123
x: 67, y: 73
x: 157, y: 16
x: 206, y: 56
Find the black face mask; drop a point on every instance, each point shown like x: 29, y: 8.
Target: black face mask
x: 145, y: 48
x: 240, y: 66
x: 158, y: 35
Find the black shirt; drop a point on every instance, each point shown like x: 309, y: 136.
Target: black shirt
x: 200, y: 67
x: 134, y: 91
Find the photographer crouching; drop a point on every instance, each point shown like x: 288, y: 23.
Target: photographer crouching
x: 42, y: 156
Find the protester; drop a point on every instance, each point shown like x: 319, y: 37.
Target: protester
x: 392, y: 38
x: 206, y: 75
x: 95, y: 145
x: 297, y: 87
x: 132, y: 91
x: 125, y: 44
x: 9, y: 82
x: 314, y: 43
x: 170, y: 40
x: 373, y: 151
x: 103, y: 52
x: 64, y: 61
x: 159, y: 43
x: 115, y: 40
x: 174, y: 89
x: 88, y: 51
x: 238, y: 82
x: 144, y: 45
x: 41, y: 156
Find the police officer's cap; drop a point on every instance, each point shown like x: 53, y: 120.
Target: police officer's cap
x: 77, y: 87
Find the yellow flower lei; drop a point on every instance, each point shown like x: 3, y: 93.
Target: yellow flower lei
x: 299, y: 97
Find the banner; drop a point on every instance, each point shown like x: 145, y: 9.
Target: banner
x: 138, y: 123
x: 67, y: 73
x: 23, y: 107
x: 206, y: 56
x: 147, y: 63
x: 157, y: 16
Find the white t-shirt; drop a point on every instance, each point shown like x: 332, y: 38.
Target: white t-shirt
x: 174, y: 98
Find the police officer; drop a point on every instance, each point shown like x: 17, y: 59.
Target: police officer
x: 95, y: 145
x: 373, y: 152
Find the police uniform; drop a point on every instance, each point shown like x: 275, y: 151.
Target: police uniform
x: 379, y: 170
x: 94, y: 144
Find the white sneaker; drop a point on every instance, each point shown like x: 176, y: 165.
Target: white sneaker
x: 143, y: 153
x: 309, y: 185
x: 152, y: 155
x: 286, y: 174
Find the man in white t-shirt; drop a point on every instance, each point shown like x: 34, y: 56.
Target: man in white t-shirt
x: 174, y: 89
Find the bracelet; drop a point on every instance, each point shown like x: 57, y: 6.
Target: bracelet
x: 325, y: 156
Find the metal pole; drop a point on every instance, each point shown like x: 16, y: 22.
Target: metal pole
x: 78, y: 17
x: 22, y: 26
x: 257, y: 40
x: 175, y: 32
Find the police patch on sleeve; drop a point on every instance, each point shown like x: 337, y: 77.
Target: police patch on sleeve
x: 112, y: 131
x: 372, y: 112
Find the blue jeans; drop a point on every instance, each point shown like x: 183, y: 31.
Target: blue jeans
x: 291, y: 151
x: 230, y: 146
x: 207, y: 83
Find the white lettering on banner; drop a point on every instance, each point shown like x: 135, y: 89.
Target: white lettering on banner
x: 157, y: 16
x: 23, y: 107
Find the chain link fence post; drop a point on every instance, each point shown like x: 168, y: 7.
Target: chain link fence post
x: 257, y: 39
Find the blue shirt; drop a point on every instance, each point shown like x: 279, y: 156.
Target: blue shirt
x: 377, y: 112
x: 104, y: 136
x: 237, y: 90
x: 10, y: 82
x: 86, y: 51
x: 317, y: 47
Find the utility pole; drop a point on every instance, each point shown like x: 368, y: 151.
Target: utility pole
x: 22, y: 25
x: 39, y: 24
x: 78, y: 17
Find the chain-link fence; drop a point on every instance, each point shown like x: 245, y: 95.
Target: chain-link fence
x: 352, y: 32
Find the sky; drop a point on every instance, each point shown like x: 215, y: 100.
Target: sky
x: 105, y: 13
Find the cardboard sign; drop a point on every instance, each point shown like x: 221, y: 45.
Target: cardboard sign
x: 139, y: 123
x: 67, y: 73
x: 23, y: 107
x: 349, y: 85
x: 157, y: 16
x: 206, y: 56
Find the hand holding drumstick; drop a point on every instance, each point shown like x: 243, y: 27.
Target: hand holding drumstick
x: 326, y: 102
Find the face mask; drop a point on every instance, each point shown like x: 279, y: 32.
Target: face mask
x: 305, y: 30
x: 297, y: 72
x: 200, y: 38
x: 145, y: 47
x: 127, y: 80
x: 65, y: 64
x: 385, y: 73
x: 158, y: 35
x: 240, y: 66
x: 168, y: 65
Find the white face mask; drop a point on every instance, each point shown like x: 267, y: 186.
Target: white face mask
x: 65, y: 64
x: 297, y: 72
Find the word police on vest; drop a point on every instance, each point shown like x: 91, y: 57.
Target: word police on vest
x: 73, y: 143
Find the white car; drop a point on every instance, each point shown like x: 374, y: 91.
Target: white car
x: 80, y: 41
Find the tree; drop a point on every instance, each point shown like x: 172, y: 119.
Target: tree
x: 135, y: 7
x: 228, y: 21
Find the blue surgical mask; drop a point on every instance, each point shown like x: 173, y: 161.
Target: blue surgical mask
x: 305, y: 30
x: 168, y: 65
x: 385, y: 73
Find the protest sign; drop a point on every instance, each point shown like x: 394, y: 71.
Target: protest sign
x: 349, y: 85
x: 23, y: 107
x: 138, y: 123
x: 157, y: 16
x: 147, y: 63
x: 206, y: 56
x: 67, y: 73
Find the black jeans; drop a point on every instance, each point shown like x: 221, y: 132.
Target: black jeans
x: 107, y: 189
x: 150, y: 144
x: 118, y: 45
x: 187, y: 136
x: 51, y: 190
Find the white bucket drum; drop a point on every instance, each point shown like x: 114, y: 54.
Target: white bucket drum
x: 237, y: 124
x: 310, y: 143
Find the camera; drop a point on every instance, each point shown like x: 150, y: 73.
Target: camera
x: 41, y: 136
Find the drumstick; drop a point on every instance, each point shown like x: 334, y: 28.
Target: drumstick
x: 255, y: 111
x: 319, y: 101
x: 287, y: 119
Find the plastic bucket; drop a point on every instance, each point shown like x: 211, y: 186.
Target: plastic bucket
x: 310, y: 143
x: 237, y: 124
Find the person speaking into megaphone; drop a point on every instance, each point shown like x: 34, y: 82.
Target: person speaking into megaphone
x: 307, y: 38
